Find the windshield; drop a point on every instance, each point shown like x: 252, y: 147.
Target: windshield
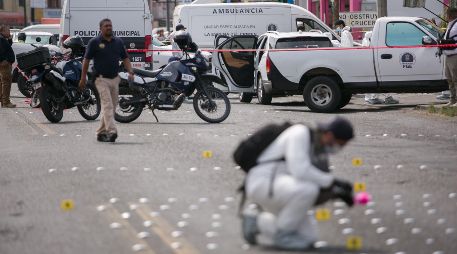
x: 304, y: 42
x: 157, y: 43
x: 430, y: 27
x: 32, y: 39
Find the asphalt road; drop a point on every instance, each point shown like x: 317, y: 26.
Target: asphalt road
x: 153, y: 191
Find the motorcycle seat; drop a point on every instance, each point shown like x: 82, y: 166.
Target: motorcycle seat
x: 145, y: 73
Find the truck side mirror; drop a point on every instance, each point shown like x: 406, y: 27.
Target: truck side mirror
x: 426, y: 40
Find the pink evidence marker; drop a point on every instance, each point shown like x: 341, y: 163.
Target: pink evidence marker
x: 362, y: 198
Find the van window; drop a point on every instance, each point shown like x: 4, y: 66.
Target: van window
x: 403, y: 34
x: 261, y: 46
x: 305, y: 25
x: 303, y: 42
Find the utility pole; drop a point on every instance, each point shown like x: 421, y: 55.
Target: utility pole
x: 382, y: 8
x: 168, y: 15
x: 336, y: 11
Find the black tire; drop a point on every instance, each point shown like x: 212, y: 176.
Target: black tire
x: 23, y: 87
x: 322, y: 94
x: 51, y: 109
x: 202, y: 105
x: 263, y: 96
x: 246, y: 97
x: 345, y: 99
x: 132, y: 112
x: 94, y: 103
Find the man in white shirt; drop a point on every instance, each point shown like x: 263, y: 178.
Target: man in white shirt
x: 347, y: 41
x: 451, y: 56
x: 286, y: 189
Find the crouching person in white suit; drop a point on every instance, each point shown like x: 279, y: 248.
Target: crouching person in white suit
x: 284, y: 190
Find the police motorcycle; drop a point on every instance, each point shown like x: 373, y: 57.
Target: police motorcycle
x: 166, y: 88
x: 60, y: 86
x: 28, y: 81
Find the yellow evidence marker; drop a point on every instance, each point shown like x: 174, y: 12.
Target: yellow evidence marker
x: 207, y: 154
x: 67, y: 205
x: 354, y: 243
x: 323, y: 214
x: 357, y: 162
x: 360, y: 187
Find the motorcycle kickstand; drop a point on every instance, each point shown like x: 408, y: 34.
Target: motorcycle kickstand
x: 154, y: 114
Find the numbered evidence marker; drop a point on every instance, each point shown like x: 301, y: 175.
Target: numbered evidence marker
x: 323, y: 214
x: 67, y: 205
x: 354, y: 243
x: 357, y: 162
x: 207, y: 154
x: 360, y: 187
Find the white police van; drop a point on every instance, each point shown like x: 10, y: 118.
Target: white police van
x: 131, y: 22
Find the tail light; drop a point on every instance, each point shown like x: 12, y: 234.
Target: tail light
x: 268, y: 64
x: 147, y: 44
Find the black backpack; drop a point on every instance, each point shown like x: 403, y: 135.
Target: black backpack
x: 247, y: 153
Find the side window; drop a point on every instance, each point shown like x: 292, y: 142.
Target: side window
x: 306, y: 25
x: 241, y: 43
x: 403, y: 34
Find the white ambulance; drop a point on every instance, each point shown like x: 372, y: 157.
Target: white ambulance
x: 206, y: 21
x: 131, y: 22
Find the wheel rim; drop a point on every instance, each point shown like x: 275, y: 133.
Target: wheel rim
x: 91, y: 107
x: 35, y: 100
x: 123, y: 110
x: 210, y: 108
x: 321, y: 95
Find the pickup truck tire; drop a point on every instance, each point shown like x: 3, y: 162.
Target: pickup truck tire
x: 322, y: 94
x: 246, y: 97
x: 345, y: 99
x: 263, y: 96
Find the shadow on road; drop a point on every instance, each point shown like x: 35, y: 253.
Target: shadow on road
x: 362, y: 108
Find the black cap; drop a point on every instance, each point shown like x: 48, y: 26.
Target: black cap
x: 180, y: 27
x: 340, y: 22
x: 340, y: 127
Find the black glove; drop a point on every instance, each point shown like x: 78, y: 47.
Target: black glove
x: 343, y: 190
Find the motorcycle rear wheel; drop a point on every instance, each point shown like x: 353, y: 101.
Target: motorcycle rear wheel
x: 207, y: 110
x: 94, y: 103
x: 24, y: 87
x: 51, y: 109
x: 128, y: 113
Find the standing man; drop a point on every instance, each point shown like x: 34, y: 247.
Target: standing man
x: 7, y: 59
x: 106, y: 50
x: 451, y: 56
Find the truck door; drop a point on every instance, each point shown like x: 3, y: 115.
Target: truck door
x: 237, y: 67
x: 411, y: 65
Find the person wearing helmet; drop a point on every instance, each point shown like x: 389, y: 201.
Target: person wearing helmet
x: 76, y: 44
x: 291, y: 177
x: 106, y: 50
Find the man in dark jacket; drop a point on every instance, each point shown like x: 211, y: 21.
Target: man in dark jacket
x: 7, y: 59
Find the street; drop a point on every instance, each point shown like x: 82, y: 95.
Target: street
x: 170, y: 187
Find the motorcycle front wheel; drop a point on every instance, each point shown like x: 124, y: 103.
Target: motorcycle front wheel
x: 51, y: 109
x: 215, y: 110
x: 91, y: 110
x: 126, y: 113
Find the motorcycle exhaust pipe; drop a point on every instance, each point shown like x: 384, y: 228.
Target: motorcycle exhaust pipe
x: 132, y: 102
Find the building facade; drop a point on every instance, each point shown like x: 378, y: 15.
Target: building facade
x: 20, y: 13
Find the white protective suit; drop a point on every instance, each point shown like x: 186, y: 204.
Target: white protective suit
x: 295, y: 187
x: 347, y: 41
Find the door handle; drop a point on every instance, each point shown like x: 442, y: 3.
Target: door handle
x: 386, y: 56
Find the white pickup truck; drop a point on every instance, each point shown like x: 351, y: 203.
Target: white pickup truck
x: 327, y: 77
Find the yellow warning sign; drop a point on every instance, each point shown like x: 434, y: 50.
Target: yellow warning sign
x: 67, y: 205
x: 323, y: 214
x: 354, y: 243
x: 360, y: 187
x: 357, y: 162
